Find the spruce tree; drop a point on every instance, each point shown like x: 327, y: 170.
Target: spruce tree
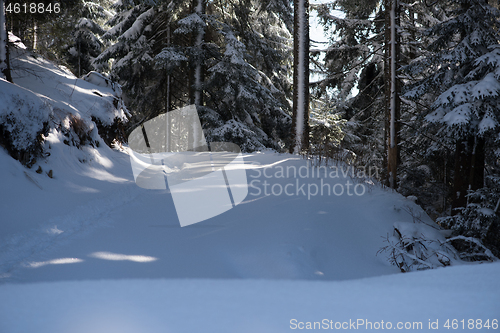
x: 87, y: 34
x: 130, y: 50
x: 231, y: 59
x: 460, y: 79
x: 354, y: 59
x: 464, y: 113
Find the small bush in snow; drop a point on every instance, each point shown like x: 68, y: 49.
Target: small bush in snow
x: 417, y: 246
x: 478, y: 223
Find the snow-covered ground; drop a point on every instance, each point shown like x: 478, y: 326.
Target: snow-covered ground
x: 89, y: 251
x: 410, y: 302
x: 83, y: 223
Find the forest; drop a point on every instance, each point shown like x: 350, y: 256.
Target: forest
x: 411, y: 87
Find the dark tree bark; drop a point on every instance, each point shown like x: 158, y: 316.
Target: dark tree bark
x: 4, y: 44
x: 197, y: 72
x: 300, y: 119
x: 392, y: 89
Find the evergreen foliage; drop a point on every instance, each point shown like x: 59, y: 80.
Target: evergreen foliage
x: 243, y: 55
x: 87, y: 34
x: 458, y: 82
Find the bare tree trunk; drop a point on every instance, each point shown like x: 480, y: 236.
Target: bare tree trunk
x: 35, y: 31
x: 197, y: 75
x: 392, y: 101
x: 196, y: 72
x: 8, y: 72
x: 300, y: 119
x: 4, y: 44
x: 168, y: 98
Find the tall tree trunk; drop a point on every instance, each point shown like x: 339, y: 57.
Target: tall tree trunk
x: 4, y: 47
x: 392, y: 100
x: 469, y: 169
x: 197, y: 73
x: 300, y: 120
x: 168, y: 96
x: 35, y: 31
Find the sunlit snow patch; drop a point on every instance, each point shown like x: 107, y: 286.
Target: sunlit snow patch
x: 121, y: 257
x: 59, y: 261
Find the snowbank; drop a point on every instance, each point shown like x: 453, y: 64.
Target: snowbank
x: 46, y: 98
x: 84, y: 98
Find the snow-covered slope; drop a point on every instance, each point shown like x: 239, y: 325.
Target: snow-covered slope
x: 116, y: 259
x: 288, y: 237
x: 93, y: 96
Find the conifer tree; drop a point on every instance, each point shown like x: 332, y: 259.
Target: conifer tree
x: 461, y: 70
x: 356, y: 61
x: 130, y: 50
x: 87, y: 34
x: 230, y: 59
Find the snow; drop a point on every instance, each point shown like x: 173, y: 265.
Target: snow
x: 458, y: 116
x: 204, y: 305
x: 87, y: 250
x: 22, y: 113
x: 460, y: 105
x: 102, y: 81
x: 135, y: 30
x: 424, y: 247
x: 190, y: 23
x: 64, y: 92
x: 488, y: 122
x: 84, y: 23
x: 116, y: 30
x: 170, y: 55
x: 490, y: 58
x: 486, y: 211
x: 234, y: 50
x: 456, y: 95
x: 487, y: 87
x: 16, y: 41
x: 96, y: 253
